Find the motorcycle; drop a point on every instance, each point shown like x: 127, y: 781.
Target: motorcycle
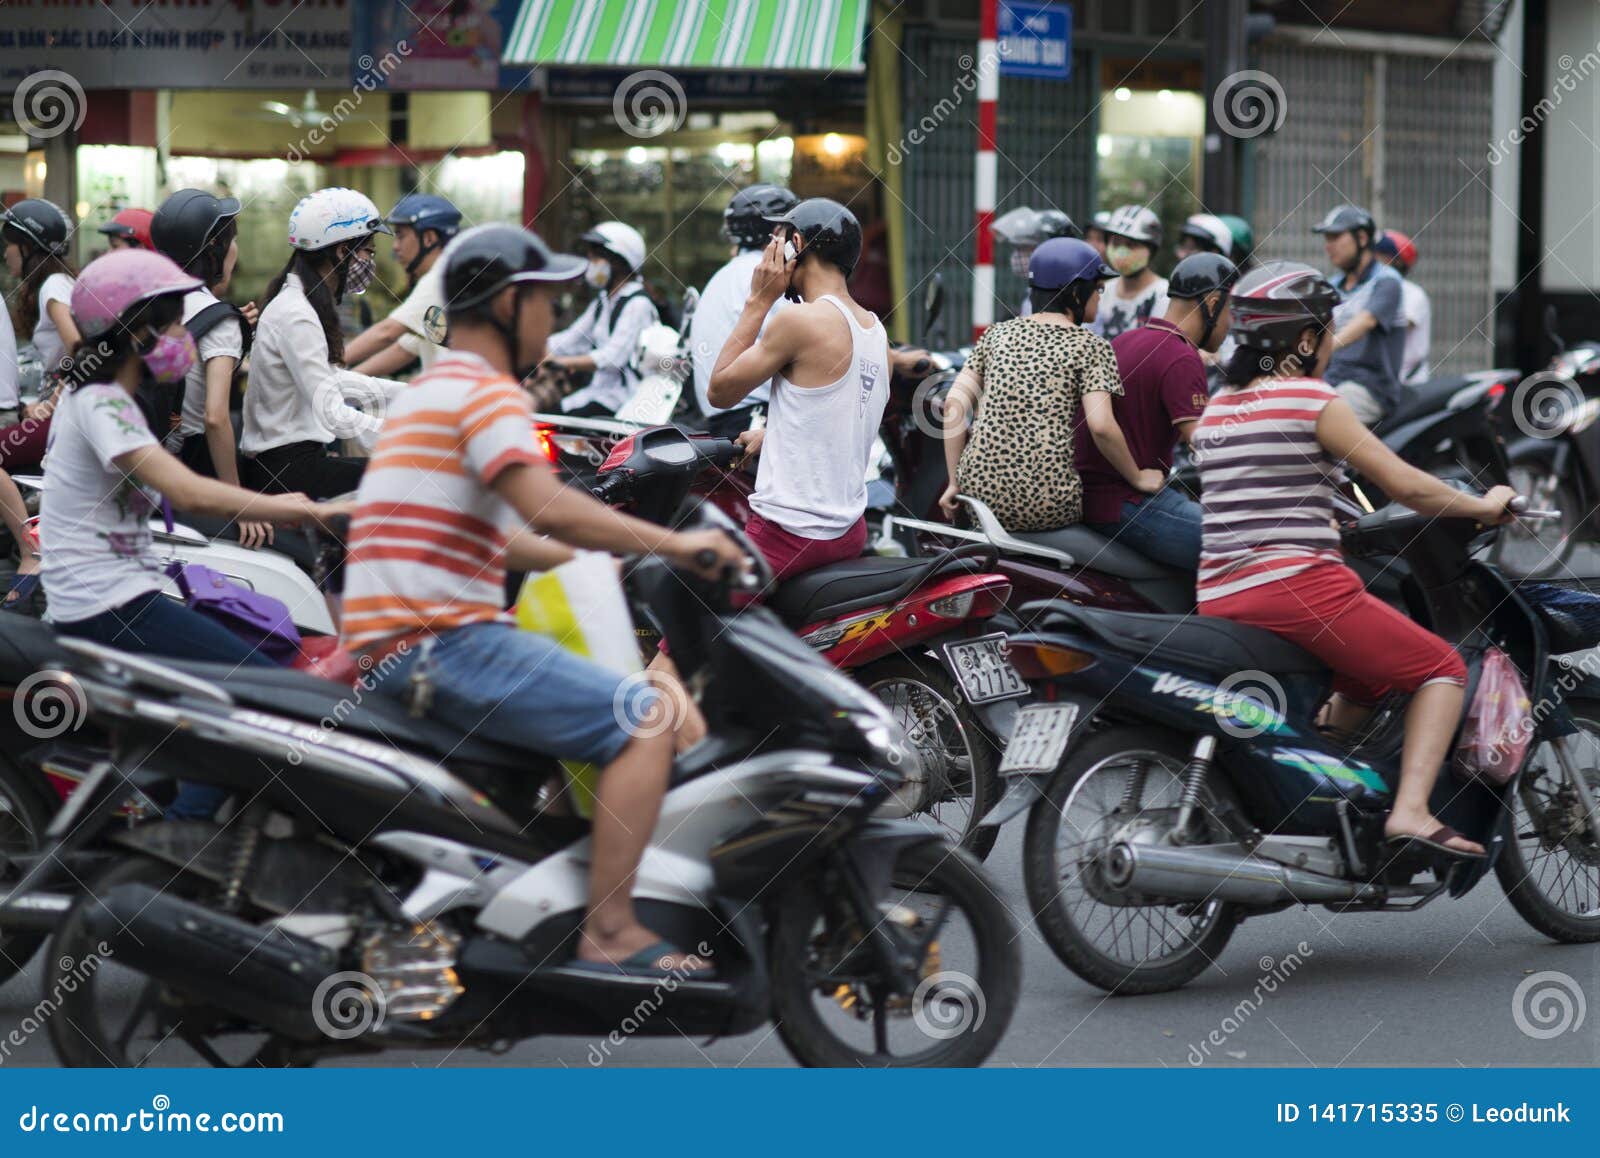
x: 1165, y: 805
x: 362, y: 896
x: 910, y: 631
x: 1553, y: 447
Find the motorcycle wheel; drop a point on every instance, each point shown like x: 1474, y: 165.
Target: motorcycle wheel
x: 833, y: 1008
x: 958, y: 757
x: 1550, y: 867
x: 1086, y: 921
x: 1540, y: 550
x: 114, y: 1016
x: 25, y: 813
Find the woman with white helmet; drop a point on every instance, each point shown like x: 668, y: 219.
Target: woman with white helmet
x: 299, y: 400
x: 603, y: 339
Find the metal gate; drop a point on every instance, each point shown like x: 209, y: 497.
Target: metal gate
x: 1046, y: 140
x: 1393, y: 133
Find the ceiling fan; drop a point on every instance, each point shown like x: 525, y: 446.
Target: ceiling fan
x: 306, y: 113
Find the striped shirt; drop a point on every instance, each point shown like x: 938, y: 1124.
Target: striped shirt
x: 1267, y: 486
x: 428, y: 539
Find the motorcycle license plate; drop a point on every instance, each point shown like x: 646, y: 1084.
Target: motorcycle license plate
x: 983, y: 671
x: 1039, y: 737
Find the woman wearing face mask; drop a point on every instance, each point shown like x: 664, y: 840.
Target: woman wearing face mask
x: 108, y: 472
x: 1133, y: 234
x: 299, y: 402
x: 605, y: 337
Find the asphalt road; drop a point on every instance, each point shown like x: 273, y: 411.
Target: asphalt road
x: 1437, y: 987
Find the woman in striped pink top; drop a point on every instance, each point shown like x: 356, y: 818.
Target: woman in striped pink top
x: 1270, y: 446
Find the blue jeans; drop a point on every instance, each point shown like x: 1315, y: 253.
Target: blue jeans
x: 154, y: 625
x: 523, y: 690
x: 1164, y: 526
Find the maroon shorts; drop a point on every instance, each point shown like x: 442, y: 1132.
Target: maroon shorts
x: 789, y: 554
x: 1371, y: 647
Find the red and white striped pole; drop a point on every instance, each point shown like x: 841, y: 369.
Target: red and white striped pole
x: 988, y: 66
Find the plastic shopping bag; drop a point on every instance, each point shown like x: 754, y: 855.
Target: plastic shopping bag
x: 1499, y: 724
x: 581, y: 607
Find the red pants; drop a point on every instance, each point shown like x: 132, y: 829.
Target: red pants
x: 788, y: 554
x: 1371, y: 647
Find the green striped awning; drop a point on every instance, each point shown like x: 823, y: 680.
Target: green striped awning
x: 787, y: 35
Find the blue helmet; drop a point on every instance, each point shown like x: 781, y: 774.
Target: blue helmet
x: 426, y: 211
x: 1060, y: 261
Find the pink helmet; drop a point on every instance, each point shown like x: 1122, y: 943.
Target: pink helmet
x: 114, y: 283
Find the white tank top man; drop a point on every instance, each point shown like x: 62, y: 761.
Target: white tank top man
x: 828, y: 362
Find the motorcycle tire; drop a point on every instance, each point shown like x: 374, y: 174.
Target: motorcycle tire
x: 927, y: 679
x: 956, y: 879
x: 1518, y: 875
x: 26, y: 806
x: 1045, y: 880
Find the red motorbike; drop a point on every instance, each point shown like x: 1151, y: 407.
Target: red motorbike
x: 913, y: 631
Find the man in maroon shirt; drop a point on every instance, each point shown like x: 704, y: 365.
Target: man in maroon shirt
x: 1164, y: 384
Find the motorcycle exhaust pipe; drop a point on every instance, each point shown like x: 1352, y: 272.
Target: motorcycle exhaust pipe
x: 269, y: 978
x: 1222, y: 873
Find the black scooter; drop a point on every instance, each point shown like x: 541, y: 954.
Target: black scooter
x: 1178, y: 784
x: 360, y: 895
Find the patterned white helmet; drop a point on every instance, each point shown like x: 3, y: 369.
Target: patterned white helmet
x: 1136, y: 223
x: 330, y: 216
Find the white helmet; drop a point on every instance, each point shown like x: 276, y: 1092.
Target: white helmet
x: 623, y: 240
x: 1136, y: 223
x: 1211, y: 230
x: 330, y: 216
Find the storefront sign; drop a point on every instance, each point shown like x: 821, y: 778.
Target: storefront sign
x: 1035, y: 40
x: 599, y: 86
x: 196, y: 44
x: 454, y: 44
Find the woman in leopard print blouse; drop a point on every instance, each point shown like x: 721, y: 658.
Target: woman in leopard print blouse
x: 1025, y: 381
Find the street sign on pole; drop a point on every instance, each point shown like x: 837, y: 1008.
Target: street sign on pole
x: 1035, y: 40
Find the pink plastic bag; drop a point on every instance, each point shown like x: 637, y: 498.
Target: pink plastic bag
x: 1499, y: 724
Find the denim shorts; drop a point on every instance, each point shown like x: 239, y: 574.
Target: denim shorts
x: 523, y: 690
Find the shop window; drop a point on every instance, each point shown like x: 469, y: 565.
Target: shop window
x: 1150, y: 151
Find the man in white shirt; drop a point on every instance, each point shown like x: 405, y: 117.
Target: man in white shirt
x: 605, y: 338
x: 422, y: 224
x: 1400, y: 252
x: 745, y: 224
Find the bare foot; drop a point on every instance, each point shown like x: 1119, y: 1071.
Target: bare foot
x: 617, y: 947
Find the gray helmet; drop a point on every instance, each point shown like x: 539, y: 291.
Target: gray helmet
x: 1136, y: 223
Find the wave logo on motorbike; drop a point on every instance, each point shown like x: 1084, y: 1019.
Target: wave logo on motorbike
x: 1246, y: 704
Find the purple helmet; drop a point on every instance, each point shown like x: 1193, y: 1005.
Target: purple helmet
x: 1060, y: 261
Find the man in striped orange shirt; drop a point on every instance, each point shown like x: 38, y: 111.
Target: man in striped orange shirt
x: 454, y: 493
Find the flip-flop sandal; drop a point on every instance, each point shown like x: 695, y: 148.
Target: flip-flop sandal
x: 1433, y: 843
x: 20, y: 589
x: 646, y: 963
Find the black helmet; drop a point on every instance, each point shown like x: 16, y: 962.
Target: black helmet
x: 1196, y: 277
x: 187, y: 221
x: 1346, y: 219
x: 40, y: 223
x: 482, y: 261
x: 826, y: 229
x: 1054, y: 223
x: 1200, y: 274
x: 1273, y: 303
x: 745, y: 220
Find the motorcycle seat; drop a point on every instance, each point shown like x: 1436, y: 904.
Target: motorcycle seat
x: 1093, y: 550
x: 1200, y: 643
x: 26, y: 646
x: 857, y: 584
x: 286, y: 692
x: 1422, y: 398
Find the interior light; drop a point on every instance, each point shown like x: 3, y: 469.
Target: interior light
x: 834, y: 145
x: 1123, y: 94
x: 637, y: 155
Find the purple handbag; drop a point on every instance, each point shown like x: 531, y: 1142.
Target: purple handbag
x: 260, y: 620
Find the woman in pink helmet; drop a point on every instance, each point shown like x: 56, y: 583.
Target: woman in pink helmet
x: 107, y: 473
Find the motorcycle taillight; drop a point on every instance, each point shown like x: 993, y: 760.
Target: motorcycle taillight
x: 619, y: 454
x: 547, y: 446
